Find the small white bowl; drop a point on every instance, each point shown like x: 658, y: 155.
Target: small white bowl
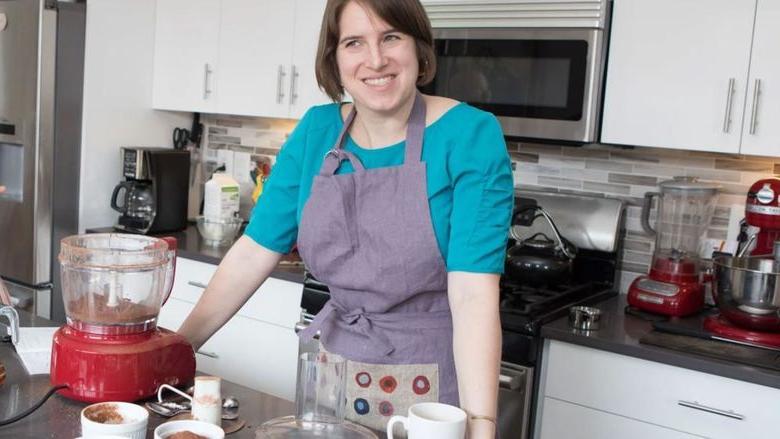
x: 133, y: 425
x: 210, y: 431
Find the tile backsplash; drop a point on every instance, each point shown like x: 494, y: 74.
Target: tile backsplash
x: 240, y: 143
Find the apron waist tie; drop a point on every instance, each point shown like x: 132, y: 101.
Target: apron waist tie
x: 357, y: 318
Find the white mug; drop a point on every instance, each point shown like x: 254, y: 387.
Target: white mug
x: 206, y: 399
x: 431, y: 420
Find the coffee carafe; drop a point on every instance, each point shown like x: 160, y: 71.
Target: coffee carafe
x: 153, y: 197
x: 138, y: 205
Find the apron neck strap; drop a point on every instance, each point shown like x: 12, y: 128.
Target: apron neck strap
x: 414, y: 138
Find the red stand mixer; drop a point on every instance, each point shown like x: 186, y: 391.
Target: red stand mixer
x: 674, y: 285
x: 113, y: 286
x: 747, y: 289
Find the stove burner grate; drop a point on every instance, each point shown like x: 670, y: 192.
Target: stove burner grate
x: 529, y: 301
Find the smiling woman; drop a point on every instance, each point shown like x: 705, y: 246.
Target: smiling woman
x: 399, y: 202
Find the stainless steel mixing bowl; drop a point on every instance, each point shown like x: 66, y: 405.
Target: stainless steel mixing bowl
x: 747, y: 291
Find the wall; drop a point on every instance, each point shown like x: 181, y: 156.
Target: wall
x: 117, y: 100
x: 629, y: 173
x: 625, y: 173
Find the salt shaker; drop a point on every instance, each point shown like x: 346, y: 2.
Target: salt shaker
x: 207, y: 400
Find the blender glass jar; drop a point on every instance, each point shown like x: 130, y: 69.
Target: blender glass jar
x: 685, y: 208
x: 115, y: 283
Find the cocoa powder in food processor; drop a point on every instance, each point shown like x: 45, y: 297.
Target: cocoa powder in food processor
x: 94, y: 308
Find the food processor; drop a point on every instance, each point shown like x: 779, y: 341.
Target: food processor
x: 674, y: 285
x: 111, y: 349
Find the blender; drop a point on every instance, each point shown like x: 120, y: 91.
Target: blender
x: 674, y: 285
x: 111, y: 349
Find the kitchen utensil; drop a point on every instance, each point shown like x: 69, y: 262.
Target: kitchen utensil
x: 431, y: 420
x: 210, y: 431
x: 674, y: 285
x: 747, y: 291
x: 114, y: 418
x: 113, y: 286
x: 218, y: 231
x: 539, y: 260
x: 585, y: 318
x: 181, y: 137
x: 170, y: 408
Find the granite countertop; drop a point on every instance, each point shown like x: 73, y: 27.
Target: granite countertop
x: 191, y: 246
x: 620, y: 333
x: 60, y: 417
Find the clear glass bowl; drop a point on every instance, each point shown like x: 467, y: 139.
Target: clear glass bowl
x: 219, y: 231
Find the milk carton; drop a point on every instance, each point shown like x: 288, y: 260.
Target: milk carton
x: 221, y: 197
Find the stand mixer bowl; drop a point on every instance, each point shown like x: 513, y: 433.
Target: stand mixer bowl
x: 747, y: 291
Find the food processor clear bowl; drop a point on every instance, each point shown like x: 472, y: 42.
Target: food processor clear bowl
x: 114, y: 283
x: 290, y: 427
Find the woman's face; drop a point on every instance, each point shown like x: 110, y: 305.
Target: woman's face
x: 377, y: 64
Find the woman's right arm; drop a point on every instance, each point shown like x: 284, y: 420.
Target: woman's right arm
x: 245, y: 267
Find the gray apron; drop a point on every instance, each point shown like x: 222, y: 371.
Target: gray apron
x: 368, y: 235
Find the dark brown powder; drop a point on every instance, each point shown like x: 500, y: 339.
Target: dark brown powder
x: 185, y: 435
x: 94, y: 308
x: 104, y: 414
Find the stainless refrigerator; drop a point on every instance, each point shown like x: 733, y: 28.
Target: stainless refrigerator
x: 41, y: 85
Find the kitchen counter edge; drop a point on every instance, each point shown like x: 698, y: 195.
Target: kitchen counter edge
x: 620, y: 334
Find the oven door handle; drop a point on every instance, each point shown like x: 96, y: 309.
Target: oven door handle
x: 302, y: 325
x: 511, y: 381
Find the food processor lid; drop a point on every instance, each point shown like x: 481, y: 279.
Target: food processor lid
x: 114, y: 251
x: 689, y: 184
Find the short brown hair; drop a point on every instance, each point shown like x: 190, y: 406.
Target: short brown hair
x: 406, y: 16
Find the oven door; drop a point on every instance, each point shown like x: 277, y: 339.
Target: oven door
x: 542, y: 84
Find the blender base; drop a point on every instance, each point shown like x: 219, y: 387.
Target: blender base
x: 670, y: 299
x: 129, y: 367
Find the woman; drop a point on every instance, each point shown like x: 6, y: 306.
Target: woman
x: 410, y: 238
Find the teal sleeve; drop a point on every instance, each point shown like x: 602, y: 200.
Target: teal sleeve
x: 274, y: 220
x: 483, y: 196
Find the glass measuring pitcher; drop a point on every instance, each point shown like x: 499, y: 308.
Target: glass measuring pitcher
x: 115, y: 283
x: 685, y: 208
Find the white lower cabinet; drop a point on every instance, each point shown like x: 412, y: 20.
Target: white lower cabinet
x: 671, y: 397
x: 258, y: 347
x: 564, y: 420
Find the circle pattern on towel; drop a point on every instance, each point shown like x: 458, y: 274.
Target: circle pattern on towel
x: 388, y: 383
x: 386, y: 408
x: 421, y: 385
x: 363, y: 379
x: 361, y: 406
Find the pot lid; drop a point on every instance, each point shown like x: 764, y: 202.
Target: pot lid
x: 688, y: 184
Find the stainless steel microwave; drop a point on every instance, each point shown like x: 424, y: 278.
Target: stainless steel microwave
x: 543, y: 84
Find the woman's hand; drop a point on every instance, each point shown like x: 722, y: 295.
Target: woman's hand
x: 476, y: 324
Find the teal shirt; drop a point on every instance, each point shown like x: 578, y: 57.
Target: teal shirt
x: 469, y: 178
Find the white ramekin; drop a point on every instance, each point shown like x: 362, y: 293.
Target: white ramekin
x: 210, y: 431
x: 135, y: 428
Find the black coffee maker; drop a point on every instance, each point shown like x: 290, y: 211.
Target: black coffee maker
x: 153, y: 197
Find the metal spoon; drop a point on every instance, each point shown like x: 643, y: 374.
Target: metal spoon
x: 172, y: 408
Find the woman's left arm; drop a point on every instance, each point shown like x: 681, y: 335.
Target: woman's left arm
x: 473, y: 299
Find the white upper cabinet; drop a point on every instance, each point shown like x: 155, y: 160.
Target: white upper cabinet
x: 185, y: 55
x: 678, y: 72
x: 761, y: 132
x: 260, y: 56
x: 255, y: 49
x: 304, y: 91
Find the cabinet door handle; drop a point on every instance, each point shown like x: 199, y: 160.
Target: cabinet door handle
x: 293, y: 84
x: 209, y: 354
x: 206, y: 79
x: 696, y: 406
x: 729, y: 99
x: 280, y: 84
x: 196, y: 284
x: 754, y: 106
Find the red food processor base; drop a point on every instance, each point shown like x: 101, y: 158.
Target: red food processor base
x: 129, y: 367
x: 721, y: 327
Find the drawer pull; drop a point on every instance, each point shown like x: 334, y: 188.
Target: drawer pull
x: 209, y: 354
x: 196, y: 284
x: 696, y: 406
